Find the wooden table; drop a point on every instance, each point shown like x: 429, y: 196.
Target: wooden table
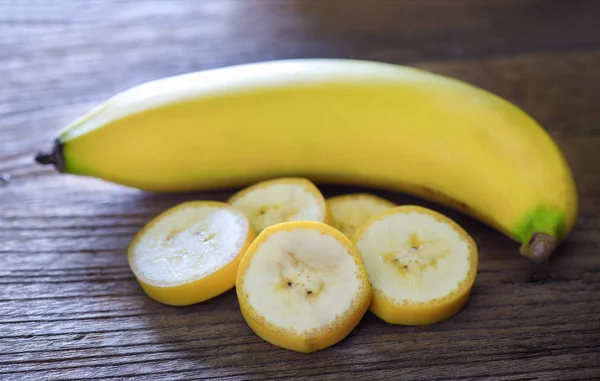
x: 71, y: 309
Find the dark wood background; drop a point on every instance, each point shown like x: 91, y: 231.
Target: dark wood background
x: 69, y: 305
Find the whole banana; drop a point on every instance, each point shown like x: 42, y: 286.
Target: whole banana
x: 332, y: 121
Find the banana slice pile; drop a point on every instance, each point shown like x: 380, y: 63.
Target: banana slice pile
x: 305, y: 268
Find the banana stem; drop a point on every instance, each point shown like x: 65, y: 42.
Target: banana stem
x: 44, y: 158
x: 53, y: 157
x: 540, y: 247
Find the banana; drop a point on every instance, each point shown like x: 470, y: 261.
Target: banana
x: 280, y: 200
x: 350, y: 211
x: 332, y: 121
x: 421, y: 265
x: 302, y: 286
x: 191, y: 252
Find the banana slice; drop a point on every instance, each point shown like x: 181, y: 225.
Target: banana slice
x: 280, y: 200
x: 421, y: 265
x: 350, y: 211
x: 302, y: 286
x: 190, y: 253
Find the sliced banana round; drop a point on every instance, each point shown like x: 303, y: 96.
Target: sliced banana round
x: 302, y: 286
x: 281, y: 200
x: 350, y: 211
x: 190, y: 253
x: 421, y: 265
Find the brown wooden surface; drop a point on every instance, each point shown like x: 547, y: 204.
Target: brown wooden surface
x: 69, y: 305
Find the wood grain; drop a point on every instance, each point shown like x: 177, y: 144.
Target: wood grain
x: 71, y: 309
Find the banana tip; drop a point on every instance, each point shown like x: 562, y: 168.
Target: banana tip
x: 540, y: 247
x: 44, y: 158
x: 53, y: 157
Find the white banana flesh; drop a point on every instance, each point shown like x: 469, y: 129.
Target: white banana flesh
x: 189, y: 244
x: 280, y: 200
x: 350, y: 211
x: 302, y: 280
x: 413, y: 257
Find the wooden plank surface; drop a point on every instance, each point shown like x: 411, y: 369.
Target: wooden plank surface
x: 69, y: 305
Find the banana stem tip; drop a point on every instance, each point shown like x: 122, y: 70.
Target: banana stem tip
x: 54, y: 157
x: 44, y: 158
x: 540, y: 247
